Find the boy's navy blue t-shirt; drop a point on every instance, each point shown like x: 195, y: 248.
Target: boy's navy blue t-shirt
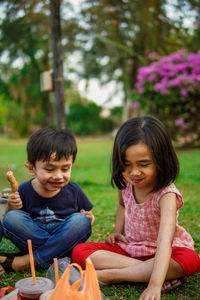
x: 70, y: 199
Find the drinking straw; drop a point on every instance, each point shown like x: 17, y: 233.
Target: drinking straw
x: 56, y: 269
x: 31, y: 261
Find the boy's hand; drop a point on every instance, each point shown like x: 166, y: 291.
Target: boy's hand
x: 114, y: 237
x: 89, y: 215
x: 14, y: 201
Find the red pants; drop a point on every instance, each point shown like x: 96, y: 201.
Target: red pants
x: 187, y: 258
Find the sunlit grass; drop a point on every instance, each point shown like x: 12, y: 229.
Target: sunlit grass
x: 92, y: 172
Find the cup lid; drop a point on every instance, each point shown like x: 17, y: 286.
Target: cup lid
x: 26, y: 285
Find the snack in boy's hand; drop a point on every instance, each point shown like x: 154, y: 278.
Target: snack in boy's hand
x: 12, y: 180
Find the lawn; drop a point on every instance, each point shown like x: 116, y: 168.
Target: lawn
x: 92, y: 172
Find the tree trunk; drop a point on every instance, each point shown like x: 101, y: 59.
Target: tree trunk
x: 58, y: 80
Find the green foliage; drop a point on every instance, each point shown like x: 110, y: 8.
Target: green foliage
x: 24, y: 33
x: 169, y: 88
x: 3, y: 111
x: 116, y: 112
x: 15, y: 117
x: 84, y: 119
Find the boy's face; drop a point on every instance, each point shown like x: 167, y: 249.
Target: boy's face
x: 51, y: 175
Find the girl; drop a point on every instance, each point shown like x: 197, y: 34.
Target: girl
x: 148, y: 245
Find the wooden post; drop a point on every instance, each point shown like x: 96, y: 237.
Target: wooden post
x: 58, y: 80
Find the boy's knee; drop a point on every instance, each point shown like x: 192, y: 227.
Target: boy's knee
x: 81, y: 226
x: 81, y: 221
x: 11, y: 215
x: 86, y: 226
x: 13, y: 218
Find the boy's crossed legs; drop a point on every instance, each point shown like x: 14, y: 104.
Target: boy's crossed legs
x: 50, y: 240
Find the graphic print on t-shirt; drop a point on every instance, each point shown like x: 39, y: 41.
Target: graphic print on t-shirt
x: 47, y: 215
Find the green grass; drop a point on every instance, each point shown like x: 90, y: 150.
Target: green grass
x: 92, y: 172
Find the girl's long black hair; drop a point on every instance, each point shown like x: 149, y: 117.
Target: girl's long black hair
x: 153, y: 133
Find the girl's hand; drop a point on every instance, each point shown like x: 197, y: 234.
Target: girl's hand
x: 14, y: 201
x: 114, y: 237
x: 89, y: 215
x: 151, y: 293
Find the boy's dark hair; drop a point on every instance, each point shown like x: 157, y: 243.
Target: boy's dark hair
x: 46, y: 141
x: 153, y: 133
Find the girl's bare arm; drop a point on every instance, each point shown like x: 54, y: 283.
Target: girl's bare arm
x: 120, y: 215
x: 118, y: 234
x: 168, y: 208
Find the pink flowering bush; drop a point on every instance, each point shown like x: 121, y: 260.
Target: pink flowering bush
x: 170, y: 89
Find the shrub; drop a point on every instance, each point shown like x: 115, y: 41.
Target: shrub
x: 169, y: 88
x: 84, y: 119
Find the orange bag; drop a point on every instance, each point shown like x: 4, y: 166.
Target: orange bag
x: 90, y: 291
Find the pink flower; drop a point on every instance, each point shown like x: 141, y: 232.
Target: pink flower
x: 194, y: 59
x: 162, y: 86
x: 153, y: 55
x: 184, y: 93
x: 181, y: 67
x: 180, y: 123
x: 174, y: 82
x: 135, y: 105
x: 173, y: 73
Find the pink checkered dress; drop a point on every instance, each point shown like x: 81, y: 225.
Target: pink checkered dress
x: 142, y: 223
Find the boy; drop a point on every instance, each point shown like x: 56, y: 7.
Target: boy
x: 50, y: 210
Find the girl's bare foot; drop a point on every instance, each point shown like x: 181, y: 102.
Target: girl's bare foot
x: 169, y: 285
x: 107, y: 276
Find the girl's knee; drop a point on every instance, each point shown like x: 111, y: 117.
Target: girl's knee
x: 79, y: 255
x: 82, y: 251
x: 188, y: 259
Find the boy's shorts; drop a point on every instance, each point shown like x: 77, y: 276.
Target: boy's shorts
x: 187, y: 258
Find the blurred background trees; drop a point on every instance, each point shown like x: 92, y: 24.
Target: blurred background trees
x: 112, y: 40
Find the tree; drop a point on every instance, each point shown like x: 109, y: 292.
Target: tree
x: 58, y: 80
x: 24, y: 40
x: 119, y: 36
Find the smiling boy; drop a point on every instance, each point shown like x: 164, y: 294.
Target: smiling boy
x: 50, y: 210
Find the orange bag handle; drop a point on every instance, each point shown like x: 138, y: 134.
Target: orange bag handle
x: 75, y: 286
x: 90, y: 291
x: 63, y: 285
x: 91, y: 279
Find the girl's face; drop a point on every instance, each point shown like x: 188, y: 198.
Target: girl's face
x: 140, y: 168
x: 51, y: 175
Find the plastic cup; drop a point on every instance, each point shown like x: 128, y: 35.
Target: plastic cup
x: 27, y: 290
x: 46, y: 295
